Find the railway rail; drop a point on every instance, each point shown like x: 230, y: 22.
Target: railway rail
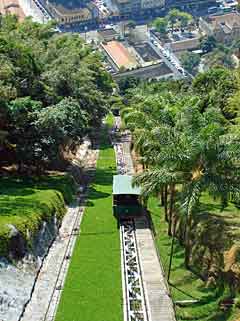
x: 134, y: 296
x: 135, y: 307
x: 55, y: 297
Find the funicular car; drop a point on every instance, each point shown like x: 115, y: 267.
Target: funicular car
x: 126, y: 198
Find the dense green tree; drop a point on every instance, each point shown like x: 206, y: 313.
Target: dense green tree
x: 190, y: 62
x: 48, y: 78
x: 63, y: 121
x: 185, y: 19
x: 219, y: 57
x: 208, y: 43
x: 128, y: 83
x: 161, y: 25
x: 173, y: 17
x: 23, y: 133
x: 215, y: 87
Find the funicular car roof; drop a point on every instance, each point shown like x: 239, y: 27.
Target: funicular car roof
x: 122, y: 185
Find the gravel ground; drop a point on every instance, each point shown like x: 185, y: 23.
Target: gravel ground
x: 12, y: 294
x: 16, y: 281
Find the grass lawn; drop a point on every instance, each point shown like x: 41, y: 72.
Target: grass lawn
x: 26, y: 202
x: 186, y: 285
x: 92, y: 290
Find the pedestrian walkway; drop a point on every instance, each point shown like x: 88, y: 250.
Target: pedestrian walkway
x: 53, y: 266
x: 160, y: 306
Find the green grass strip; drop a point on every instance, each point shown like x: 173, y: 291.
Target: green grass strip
x: 185, y: 284
x: 92, y: 291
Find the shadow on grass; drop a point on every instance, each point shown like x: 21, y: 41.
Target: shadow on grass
x: 96, y: 194
x: 21, y: 207
x: 99, y: 233
x: 221, y: 315
x: 183, y: 292
x: 104, y: 177
x: 25, y: 186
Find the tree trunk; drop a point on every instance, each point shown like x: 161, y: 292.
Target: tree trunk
x: 172, y: 250
x: 188, y: 240
x: 162, y: 196
x: 165, y: 202
x: 19, y: 168
x: 171, y: 206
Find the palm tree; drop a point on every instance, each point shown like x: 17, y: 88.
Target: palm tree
x: 217, y: 173
x: 153, y: 180
x: 196, y: 153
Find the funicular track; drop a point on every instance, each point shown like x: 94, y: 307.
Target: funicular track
x: 135, y: 307
x: 135, y: 302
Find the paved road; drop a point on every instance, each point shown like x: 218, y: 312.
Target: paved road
x: 35, y: 9
x: 178, y: 74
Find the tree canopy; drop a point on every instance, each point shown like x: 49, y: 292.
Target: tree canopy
x: 53, y: 90
x: 190, y: 62
x: 175, y: 18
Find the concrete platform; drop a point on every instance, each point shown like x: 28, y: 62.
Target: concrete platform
x: 159, y: 303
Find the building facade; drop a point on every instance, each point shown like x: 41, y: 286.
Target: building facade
x: 189, y: 5
x: 65, y: 16
x: 225, y: 28
x: 151, y: 4
x: 137, y: 7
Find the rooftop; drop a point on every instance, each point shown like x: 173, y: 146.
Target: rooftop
x: 107, y: 32
x: 62, y: 11
x: 119, y: 54
x: 226, y: 22
x: 187, y: 44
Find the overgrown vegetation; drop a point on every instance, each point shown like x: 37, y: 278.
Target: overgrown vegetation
x: 92, y: 291
x: 184, y: 284
x: 26, y: 202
